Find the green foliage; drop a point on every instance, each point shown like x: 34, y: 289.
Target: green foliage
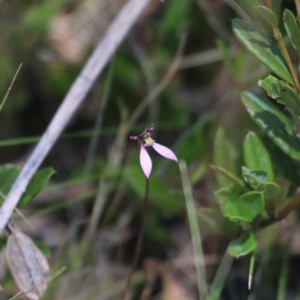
x: 274, y: 122
x: 262, y: 47
x: 36, y: 184
x: 244, y: 245
x: 267, y: 15
x: 291, y: 25
x: 240, y: 208
x: 253, y: 197
x: 9, y: 174
x: 256, y: 156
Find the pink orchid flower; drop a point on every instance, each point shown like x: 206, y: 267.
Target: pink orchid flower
x: 145, y: 140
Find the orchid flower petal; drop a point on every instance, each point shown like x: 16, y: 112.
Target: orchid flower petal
x: 164, y: 151
x: 145, y: 161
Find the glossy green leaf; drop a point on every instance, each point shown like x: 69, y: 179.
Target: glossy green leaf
x: 272, y: 191
x: 256, y: 156
x: 267, y: 83
x: 274, y: 122
x: 267, y: 15
x: 225, y: 157
x: 286, y: 95
x: 285, y: 166
x: 36, y: 184
x: 240, y: 208
x: 8, y: 175
x: 263, y: 48
x: 292, y: 28
x: 254, y: 178
x: 244, y: 245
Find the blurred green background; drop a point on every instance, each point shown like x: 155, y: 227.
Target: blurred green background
x: 182, y: 56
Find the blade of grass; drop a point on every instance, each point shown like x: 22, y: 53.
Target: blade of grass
x: 9, y: 89
x: 97, y: 128
x: 195, y: 231
x: 284, y: 273
x: 88, y: 133
x: 220, y: 277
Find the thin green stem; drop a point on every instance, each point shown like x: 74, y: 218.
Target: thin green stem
x: 195, y: 231
x: 139, y: 241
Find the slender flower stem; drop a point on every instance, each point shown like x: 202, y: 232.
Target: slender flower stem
x: 139, y: 241
x: 279, y: 39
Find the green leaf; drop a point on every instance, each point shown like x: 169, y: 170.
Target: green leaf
x: 256, y: 156
x: 240, y: 208
x: 272, y: 191
x: 8, y: 175
x: 254, y: 178
x: 36, y: 184
x: 286, y: 166
x: 287, y: 95
x: 292, y: 29
x: 244, y: 245
x: 267, y: 83
x: 267, y: 15
x: 275, y: 123
x: 263, y: 48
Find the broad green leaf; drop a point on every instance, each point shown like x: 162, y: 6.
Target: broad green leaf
x: 292, y: 29
x: 286, y: 166
x: 240, y: 208
x: 232, y: 178
x: 36, y: 184
x: 272, y: 191
x: 211, y: 221
x: 263, y: 48
x: 225, y: 157
x: 8, y: 175
x: 266, y: 83
x: 254, y: 178
x: 287, y: 95
x: 244, y: 245
x: 267, y: 15
x: 256, y: 156
x: 274, y: 122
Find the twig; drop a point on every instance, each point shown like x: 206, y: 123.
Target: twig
x: 100, y: 57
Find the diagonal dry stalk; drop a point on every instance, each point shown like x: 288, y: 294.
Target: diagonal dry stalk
x: 93, y: 68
